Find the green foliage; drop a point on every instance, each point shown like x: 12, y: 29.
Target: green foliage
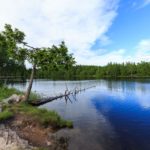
x: 14, y: 37
x: 3, y: 51
x: 55, y: 61
x: 11, y: 48
x: 12, y: 56
x: 6, y: 114
x: 56, y: 57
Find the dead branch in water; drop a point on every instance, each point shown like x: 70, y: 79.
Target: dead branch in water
x: 42, y: 101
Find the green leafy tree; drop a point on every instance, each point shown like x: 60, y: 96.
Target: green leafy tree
x: 3, y: 51
x: 55, y: 57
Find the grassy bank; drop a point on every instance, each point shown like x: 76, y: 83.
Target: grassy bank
x: 42, y: 116
x: 5, y: 115
x: 6, y: 92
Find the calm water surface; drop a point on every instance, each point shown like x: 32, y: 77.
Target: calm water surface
x: 114, y: 115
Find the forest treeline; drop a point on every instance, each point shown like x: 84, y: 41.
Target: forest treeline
x: 111, y: 70
x: 10, y: 67
x: 50, y: 62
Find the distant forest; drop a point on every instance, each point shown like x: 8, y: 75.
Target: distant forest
x: 111, y: 70
x: 13, y: 57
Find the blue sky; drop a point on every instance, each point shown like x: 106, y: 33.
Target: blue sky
x: 130, y: 26
x: 95, y: 31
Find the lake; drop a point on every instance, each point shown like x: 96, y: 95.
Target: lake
x: 113, y: 115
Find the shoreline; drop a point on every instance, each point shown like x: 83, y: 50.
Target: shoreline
x: 25, y: 132
x: 13, y: 137
x: 24, y: 127
x: 9, y: 140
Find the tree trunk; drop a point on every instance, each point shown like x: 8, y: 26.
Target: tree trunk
x: 27, y: 94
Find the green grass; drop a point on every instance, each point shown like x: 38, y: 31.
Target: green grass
x: 6, y: 92
x: 43, y: 116
x: 34, y: 96
x: 6, y: 114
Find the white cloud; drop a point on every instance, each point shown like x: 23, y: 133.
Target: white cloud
x: 146, y: 2
x: 79, y: 22
x: 140, y: 4
x: 95, y: 58
x: 143, y: 50
x: 143, y: 4
x: 141, y: 53
x: 143, y: 46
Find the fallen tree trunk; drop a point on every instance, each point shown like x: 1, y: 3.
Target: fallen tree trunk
x: 39, y: 102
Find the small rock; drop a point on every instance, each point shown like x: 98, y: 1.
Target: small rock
x: 14, y: 99
x: 9, y: 140
x: 48, y: 143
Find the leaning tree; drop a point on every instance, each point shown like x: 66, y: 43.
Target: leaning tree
x: 55, y: 57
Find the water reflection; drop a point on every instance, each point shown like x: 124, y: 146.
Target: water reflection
x: 115, y: 115
x: 53, y: 88
x: 92, y: 129
x: 129, y: 119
